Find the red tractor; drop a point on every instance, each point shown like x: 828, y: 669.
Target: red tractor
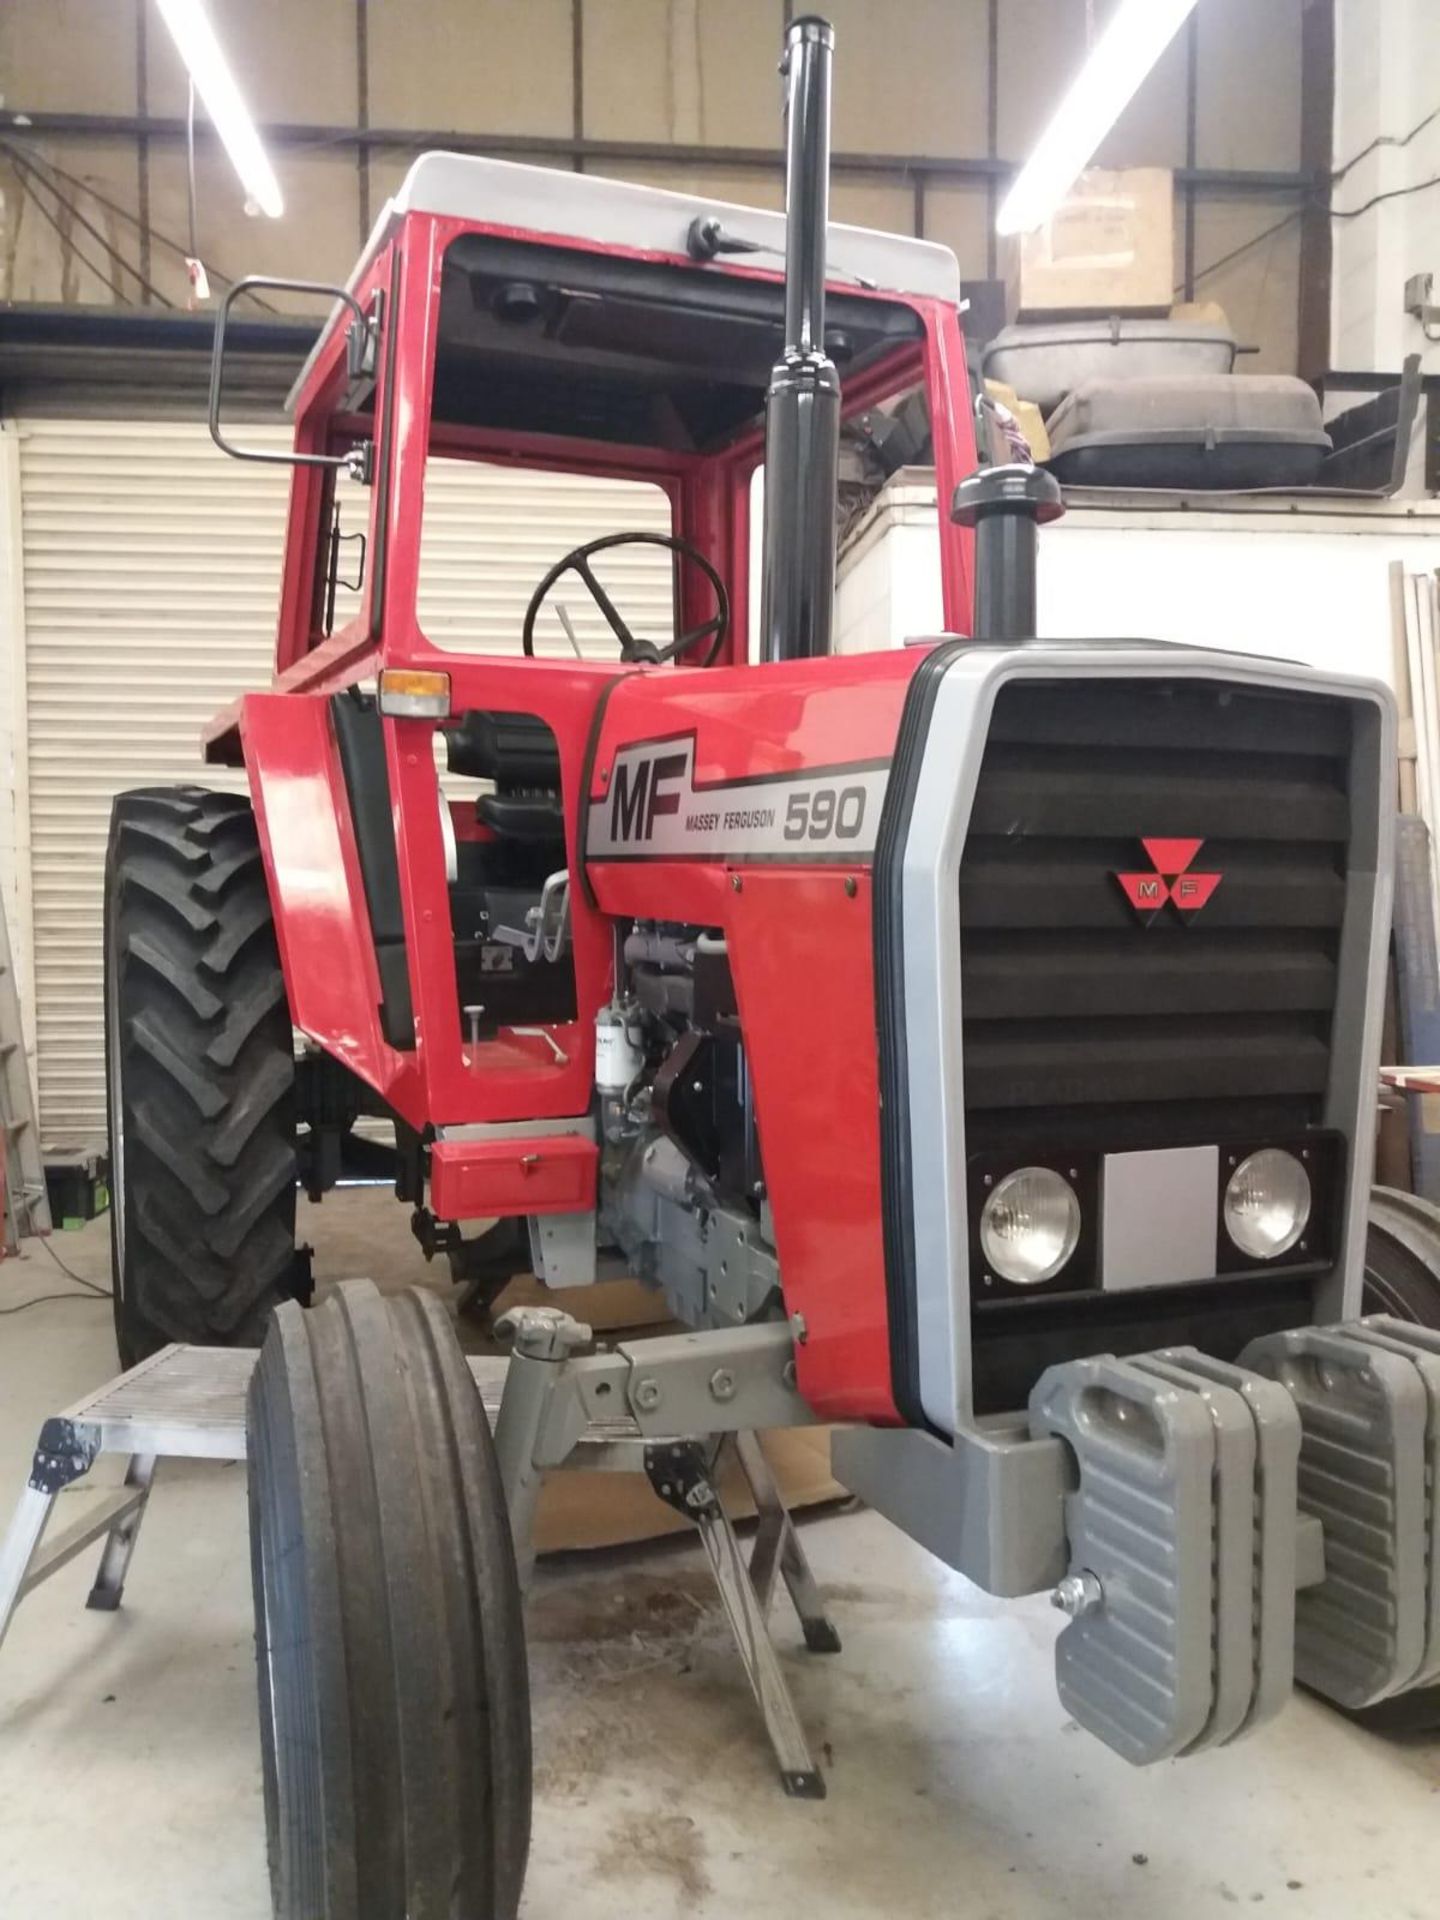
x: 975, y: 1043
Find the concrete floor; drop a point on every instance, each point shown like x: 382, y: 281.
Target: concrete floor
x: 129, y: 1776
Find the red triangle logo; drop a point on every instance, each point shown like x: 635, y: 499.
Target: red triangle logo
x: 1172, y: 856
x: 1146, y: 892
x: 1192, y: 890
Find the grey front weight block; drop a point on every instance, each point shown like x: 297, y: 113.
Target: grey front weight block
x: 1364, y: 1413
x: 1277, y: 1455
x: 1422, y: 1346
x: 1233, y: 1555
x: 1134, y: 1666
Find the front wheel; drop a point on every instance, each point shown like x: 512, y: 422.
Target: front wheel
x: 390, y: 1653
x: 200, y: 1075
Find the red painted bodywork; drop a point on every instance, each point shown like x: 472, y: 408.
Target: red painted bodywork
x: 800, y: 951
x: 480, y: 1179
x: 799, y: 937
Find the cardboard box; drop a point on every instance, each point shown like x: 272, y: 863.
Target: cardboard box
x: 1108, y: 248
x: 583, y: 1511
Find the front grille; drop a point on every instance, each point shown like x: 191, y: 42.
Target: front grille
x: 1084, y: 1026
x: 1087, y: 1029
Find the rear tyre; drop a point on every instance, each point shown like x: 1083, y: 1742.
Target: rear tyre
x: 1402, y: 1258
x: 1402, y: 1278
x: 394, y: 1699
x: 200, y: 1074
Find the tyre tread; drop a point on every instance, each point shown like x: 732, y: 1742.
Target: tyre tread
x: 207, y: 1069
x: 422, y: 1683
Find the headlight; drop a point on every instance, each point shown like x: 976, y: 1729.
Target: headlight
x: 1030, y: 1225
x: 1267, y: 1203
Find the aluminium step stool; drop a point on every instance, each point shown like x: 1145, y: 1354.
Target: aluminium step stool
x: 189, y: 1403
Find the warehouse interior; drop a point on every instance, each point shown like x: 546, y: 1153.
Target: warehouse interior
x: 1077, y: 1255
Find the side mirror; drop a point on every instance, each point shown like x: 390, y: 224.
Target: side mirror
x: 362, y: 341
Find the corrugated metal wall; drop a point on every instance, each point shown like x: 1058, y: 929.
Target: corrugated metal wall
x: 150, y: 571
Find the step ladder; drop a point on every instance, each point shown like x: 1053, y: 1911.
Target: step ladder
x: 27, y: 1203
x: 189, y: 1403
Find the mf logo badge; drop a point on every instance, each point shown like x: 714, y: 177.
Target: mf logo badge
x: 1170, y: 880
x: 646, y: 790
x: 654, y: 808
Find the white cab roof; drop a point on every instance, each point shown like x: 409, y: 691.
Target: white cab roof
x: 584, y: 206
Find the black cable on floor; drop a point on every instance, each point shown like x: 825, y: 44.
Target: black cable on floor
x: 48, y: 1299
x: 70, y: 1273
x: 90, y: 1291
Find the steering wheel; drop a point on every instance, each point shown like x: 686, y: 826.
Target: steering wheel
x: 631, y: 648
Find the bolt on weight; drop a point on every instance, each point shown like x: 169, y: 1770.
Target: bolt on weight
x: 1078, y: 1594
x: 647, y: 1395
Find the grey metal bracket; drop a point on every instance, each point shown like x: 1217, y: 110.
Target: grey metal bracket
x: 682, y: 1475
x: 1361, y: 1633
x: 635, y: 1408
x: 725, y: 1380
x: 1134, y: 1664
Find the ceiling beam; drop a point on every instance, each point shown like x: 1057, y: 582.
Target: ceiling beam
x: 983, y: 167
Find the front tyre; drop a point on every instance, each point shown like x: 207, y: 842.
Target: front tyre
x: 200, y: 1075
x: 390, y: 1652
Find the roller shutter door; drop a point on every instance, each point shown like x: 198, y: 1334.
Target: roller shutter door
x: 150, y: 569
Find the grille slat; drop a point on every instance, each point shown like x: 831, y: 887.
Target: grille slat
x: 1110, y: 1062
x: 1133, y: 716
x: 1078, y: 1010
x: 1084, y: 798
x: 1279, y: 973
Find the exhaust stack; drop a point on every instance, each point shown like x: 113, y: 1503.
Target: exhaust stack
x: 802, y: 407
x: 1006, y: 506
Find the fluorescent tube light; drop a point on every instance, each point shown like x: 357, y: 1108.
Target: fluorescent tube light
x: 205, y: 61
x: 1136, y: 37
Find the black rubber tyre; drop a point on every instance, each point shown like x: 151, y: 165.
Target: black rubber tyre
x: 1416, y: 1712
x: 1403, y: 1280
x: 394, y: 1698
x: 1402, y: 1258
x: 200, y: 1072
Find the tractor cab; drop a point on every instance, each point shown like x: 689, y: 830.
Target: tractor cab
x: 519, y: 316
x: 516, y: 318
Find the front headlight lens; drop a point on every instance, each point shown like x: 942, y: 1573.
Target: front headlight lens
x: 1030, y: 1225
x: 1267, y: 1203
